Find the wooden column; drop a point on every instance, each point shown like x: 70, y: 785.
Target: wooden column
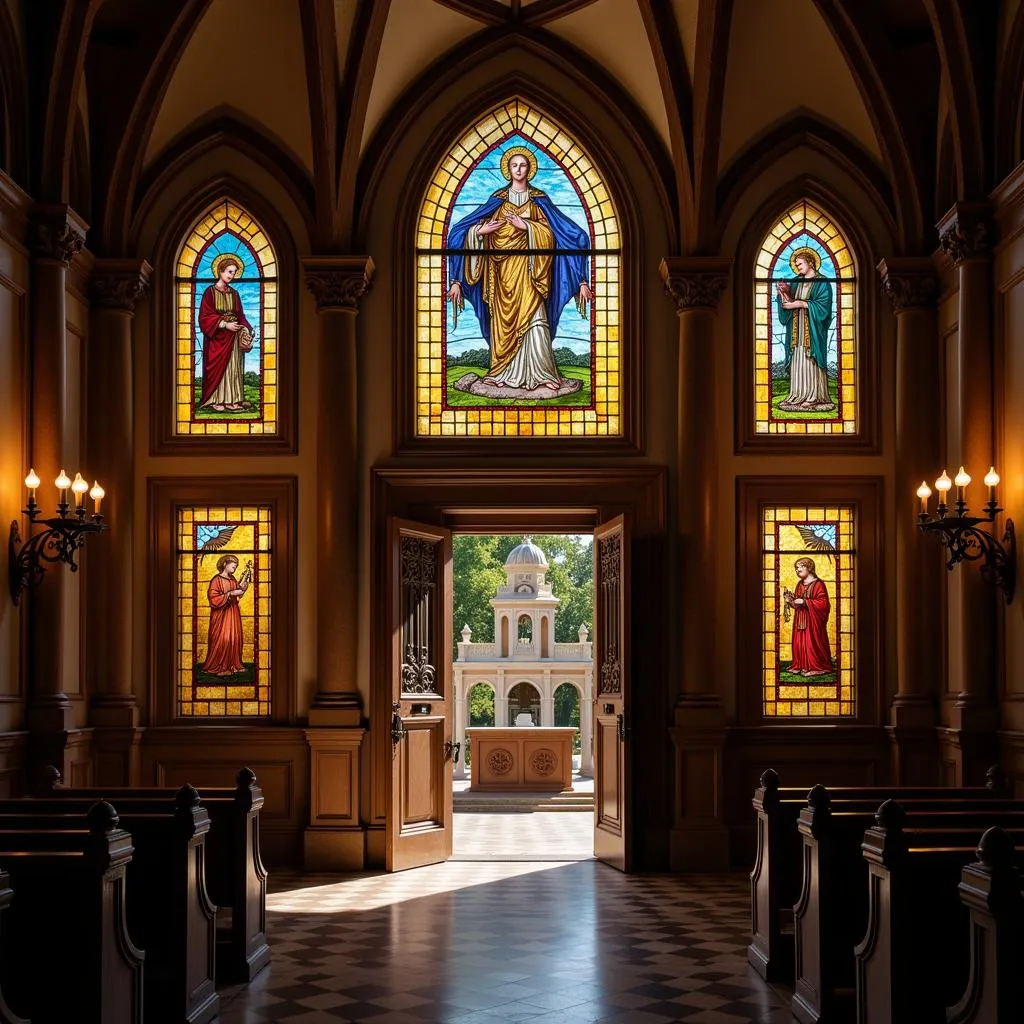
x: 699, y: 839
x: 58, y: 235
x: 115, y: 289
x: 966, y: 235
x: 912, y: 287
x: 335, y: 839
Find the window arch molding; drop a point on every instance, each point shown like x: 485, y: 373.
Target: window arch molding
x: 865, y: 440
x: 163, y: 375
x: 614, y: 174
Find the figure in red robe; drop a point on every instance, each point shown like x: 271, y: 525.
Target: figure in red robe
x: 227, y: 336
x: 224, y: 645
x: 812, y: 655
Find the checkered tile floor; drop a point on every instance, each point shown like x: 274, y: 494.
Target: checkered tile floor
x: 500, y: 943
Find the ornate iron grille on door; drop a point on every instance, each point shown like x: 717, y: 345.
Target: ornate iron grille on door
x: 610, y: 553
x: 420, y: 610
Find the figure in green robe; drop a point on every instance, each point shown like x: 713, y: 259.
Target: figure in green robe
x: 805, y: 311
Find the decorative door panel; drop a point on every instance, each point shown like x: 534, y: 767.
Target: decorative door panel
x: 419, y: 827
x: 611, y: 699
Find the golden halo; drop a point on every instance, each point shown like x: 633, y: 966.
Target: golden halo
x: 228, y: 257
x: 808, y: 254
x: 506, y: 158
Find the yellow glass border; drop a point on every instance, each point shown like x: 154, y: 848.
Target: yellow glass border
x: 224, y: 215
x: 834, y: 700
x: 801, y: 216
x: 193, y: 572
x: 432, y: 417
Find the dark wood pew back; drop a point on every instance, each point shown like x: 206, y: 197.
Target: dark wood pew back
x: 776, y: 879
x: 169, y: 912
x: 235, y: 876
x: 72, y: 883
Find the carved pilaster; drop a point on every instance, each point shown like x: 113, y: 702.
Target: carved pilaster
x: 695, y: 282
x: 909, y: 283
x: 967, y: 232
x: 58, y: 233
x: 338, y: 282
x: 119, y: 284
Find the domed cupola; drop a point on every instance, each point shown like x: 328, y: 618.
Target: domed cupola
x: 526, y: 557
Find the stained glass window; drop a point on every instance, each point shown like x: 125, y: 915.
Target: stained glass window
x: 517, y: 287
x: 805, y: 327
x: 223, y: 601
x: 809, y: 578
x: 226, y: 338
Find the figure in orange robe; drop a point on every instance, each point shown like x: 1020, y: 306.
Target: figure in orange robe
x: 812, y: 655
x: 224, y: 646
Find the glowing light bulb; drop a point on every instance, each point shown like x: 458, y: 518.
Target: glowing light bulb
x: 992, y: 477
x: 62, y: 483
x: 942, y: 485
x: 962, y: 479
x: 924, y: 492
x: 97, y: 494
x: 32, y: 481
x: 79, y: 488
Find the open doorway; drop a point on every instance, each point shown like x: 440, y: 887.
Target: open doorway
x: 523, y: 687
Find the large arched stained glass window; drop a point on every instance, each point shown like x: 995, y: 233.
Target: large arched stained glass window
x: 517, y: 287
x: 805, y: 327
x: 226, y: 355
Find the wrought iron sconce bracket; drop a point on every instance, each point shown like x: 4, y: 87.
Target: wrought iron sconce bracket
x: 59, y: 542
x: 965, y: 542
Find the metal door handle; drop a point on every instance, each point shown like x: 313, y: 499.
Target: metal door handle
x: 398, y: 729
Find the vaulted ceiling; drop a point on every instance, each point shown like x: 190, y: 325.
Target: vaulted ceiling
x: 888, y: 87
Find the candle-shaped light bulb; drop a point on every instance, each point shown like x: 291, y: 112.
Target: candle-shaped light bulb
x: 992, y: 477
x: 942, y: 485
x: 62, y: 483
x: 924, y: 492
x: 79, y: 489
x: 32, y: 482
x: 97, y: 494
x: 962, y: 479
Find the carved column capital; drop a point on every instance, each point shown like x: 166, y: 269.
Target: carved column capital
x: 119, y: 283
x: 967, y: 232
x: 695, y: 282
x: 58, y: 233
x: 909, y: 283
x: 338, y: 282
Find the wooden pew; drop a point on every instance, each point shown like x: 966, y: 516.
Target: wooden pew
x: 7, y: 1015
x: 991, y: 890
x: 235, y: 876
x: 65, y: 951
x: 830, y: 917
x: 169, y: 913
x: 775, y: 881
x: 913, y: 960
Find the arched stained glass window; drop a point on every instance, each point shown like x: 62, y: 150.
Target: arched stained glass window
x: 517, y: 287
x: 809, y: 580
x: 226, y: 355
x: 805, y: 327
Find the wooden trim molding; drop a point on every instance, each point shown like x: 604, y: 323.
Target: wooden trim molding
x: 163, y: 439
x: 865, y: 494
x: 866, y: 439
x: 165, y: 496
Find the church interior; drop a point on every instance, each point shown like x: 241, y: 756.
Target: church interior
x: 291, y: 291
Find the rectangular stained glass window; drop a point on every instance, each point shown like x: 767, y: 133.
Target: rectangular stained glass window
x: 809, y: 607
x: 528, y: 345
x: 224, y: 578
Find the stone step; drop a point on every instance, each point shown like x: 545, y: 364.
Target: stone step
x: 523, y: 802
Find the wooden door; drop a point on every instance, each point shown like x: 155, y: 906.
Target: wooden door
x: 611, y: 693
x: 419, y: 827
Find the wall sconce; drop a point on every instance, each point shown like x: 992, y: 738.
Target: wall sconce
x: 960, y: 533
x: 65, y: 533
